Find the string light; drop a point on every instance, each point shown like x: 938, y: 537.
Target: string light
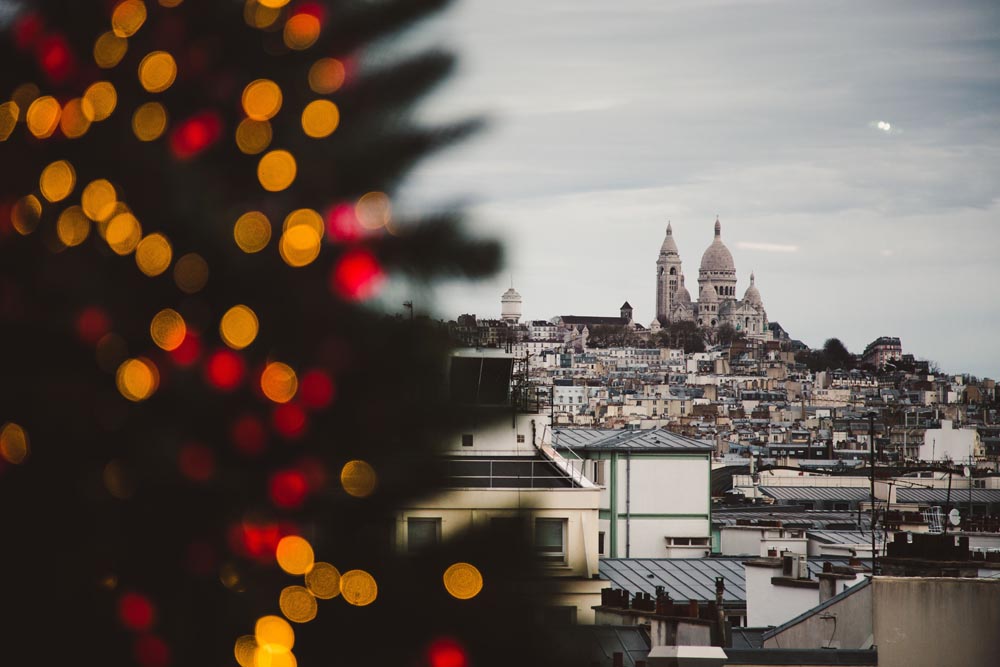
x: 276, y: 170
x: 9, y: 113
x: 137, y: 379
x: 149, y: 121
x: 43, y: 116
x: 76, y: 118
x: 14, y: 444
x: 358, y: 588
x: 157, y: 71
x: 323, y: 581
x: 320, y: 118
x: 153, y: 254
x: 279, y: 382
x: 253, y: 136
x: 168, y: 329
x: 25, y: 214
x: 123, y: 233
x: 127, y: 17
x: 252, y: 232
x: 358, y: 479
x: 294, y: 554
x: 57, y: 180
x: 238, y: 327
x: 109, y: 49
x: 301, y: 31
x: 463, y: 581
x: 72, y: 227
x: 297, y: 604
x: 326, y: 76
x: 261, y: 99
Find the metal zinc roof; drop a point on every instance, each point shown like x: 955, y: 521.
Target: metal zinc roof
x: 940, y: 496
x: 848, y: 537
x: 818, y: 519
x: 688, y: 578
x: 683, y: 578
x: 611, y: 439
x: 846, y: 493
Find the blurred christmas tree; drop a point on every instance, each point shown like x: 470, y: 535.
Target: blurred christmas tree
x: 201, y: 421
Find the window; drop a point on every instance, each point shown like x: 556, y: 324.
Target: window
x: 600, y: 542
x: 422, y: 534
x: 550, y: 540
x: 520, y: 438
x: 467, y: 440
x: 599, y: 473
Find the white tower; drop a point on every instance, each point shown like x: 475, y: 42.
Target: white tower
x: 510, y: 306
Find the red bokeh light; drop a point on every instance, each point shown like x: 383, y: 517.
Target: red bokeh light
x: 288, y: 489
x: 190, y: 137
x: 314, y: 471
x: 27, y: 30
x: 151, y: 651
x: 357, y: 275
x: 316, y: 389
x: 289, y: 420
x: 224, y: 370
x: 313, y: 9
x: 342, y: 223
x: 196, y: 462
x: 55, y: 57
x: 135, y: 611
x: 188, y: 351
x: 248, y: 435
x: 446, y: 652
x: 92, y: 324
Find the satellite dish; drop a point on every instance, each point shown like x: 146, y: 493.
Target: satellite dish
x: 954, y: 517
x: 966, y: 472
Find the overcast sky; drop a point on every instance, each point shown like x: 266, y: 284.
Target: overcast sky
x: 851, y: 150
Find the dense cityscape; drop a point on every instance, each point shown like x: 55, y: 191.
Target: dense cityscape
x: 716, y: 492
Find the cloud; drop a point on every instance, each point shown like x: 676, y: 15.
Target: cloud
x: 767, y: 247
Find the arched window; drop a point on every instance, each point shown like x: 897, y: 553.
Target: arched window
x: 700, y: 322
x: 673, y: 270
x: 747, y: 324
x: 713, y: 323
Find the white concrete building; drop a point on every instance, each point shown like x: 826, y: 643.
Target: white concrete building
x: 656, y: 500
x: 948, y: 443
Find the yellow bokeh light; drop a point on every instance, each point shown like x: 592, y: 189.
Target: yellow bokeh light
x: 261, y: 99
x: 14, y: 445
x: 294, y: 554
x: 76, y: 117
x: 253, y: 136
x: 157, y: 71
x: 279, y: 382
x: 301, y: 31
x: 358, y: 479
x: 238, y: 327
x: 275, y: 633
x: 320, y: 118
x: 299, y: 245
x: 137, y: 379
x: 258, y: 15
x: 463, y: 581
x: 276, y: 170
x: 118, y: 481
x: 274, y: 656
x: 43, y: 116
x: 98, y: 200
x: 244, y: 650
x: 191, y: 273
x: 57, y: 180
x: 73, y: 227
x: 326, y: 75
x: 373, y: 210
x: 307, y: 217
x: 25, y: 214
x: 128, y: 17
x: 170, y: 3
x: 9, y: 113
x: 323, y: 581
x: 109, y: 49
x: 358, y: 587
x: 153, y: 254
x: 273, y: 4
x: 24, y: 95
x: 123, y: 233
x: 167, y: 329
x: 252, y: 232
x: 103, y: 98
x: 297, y: 604
x: 149, y: 121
